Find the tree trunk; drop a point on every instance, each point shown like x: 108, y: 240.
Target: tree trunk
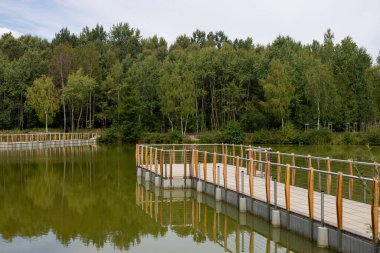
x: 46, y: 121
x: 80, y: 116
x: 72, y: 118
x: 319, y: 115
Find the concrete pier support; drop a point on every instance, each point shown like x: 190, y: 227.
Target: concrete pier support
x: 147, y: 176
x: 157, y: 181
x: 165, y: 183
x: 276, y: 220
x: 242, y: 204
x: 322, y: 237
x: 218, y: 194
x: 199, y: 186
x: 139, y: 172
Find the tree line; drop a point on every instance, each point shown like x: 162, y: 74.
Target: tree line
x: 198, y: 83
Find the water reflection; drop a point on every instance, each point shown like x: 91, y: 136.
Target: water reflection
x: 88, y: 198
x: 199, y: 216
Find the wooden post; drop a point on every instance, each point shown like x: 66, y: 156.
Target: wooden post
x: 225, y: 170
x: 237, y: 174
x: 151, y: 159
x: 250, y: 174
x: 155, y: 160
x: 171, y: 164
x: 310, y: 191
x: 205, y: 166
x: 142, y: 155
x: 184, y: 163
x: 309, y: 164
x: 294, y: 169
x: 137, y: 155
x: 278, y: 166
x: 339, y: 201
x: 241, y: 154
x: 267, y: 181
x: 254, y: 163
x: 192, y: 172
x: 249, y: 161
x: 350, y: 181
x: 222, y: 148
x: 146, y: 158
x: 162, y: 163
x: 374, y: 210
x: 287, y: 187
x: 214, y: 168
x: 328, y: 168
x: 196, y: 163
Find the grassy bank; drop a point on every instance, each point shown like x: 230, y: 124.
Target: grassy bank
x: 232, y: 133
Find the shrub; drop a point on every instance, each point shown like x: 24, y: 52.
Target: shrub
x: 322, y: 136
x: 112, y: 135
x: 232, y: 133
x: 372, y: 137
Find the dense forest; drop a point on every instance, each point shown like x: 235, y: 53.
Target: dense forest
x: 120, y: 80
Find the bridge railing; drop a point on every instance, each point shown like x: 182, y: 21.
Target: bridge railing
x: 282, y: 176
x: 30, y: 137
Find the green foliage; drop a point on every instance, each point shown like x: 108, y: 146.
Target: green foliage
x: 199, y: 83
x: 232, y: 133
x: 278, y: 91
x: 372, y: 137
x: 316, y: 137
x: 43, y: 98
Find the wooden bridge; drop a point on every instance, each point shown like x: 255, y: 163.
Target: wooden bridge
x: 46, y: 140
x: 306, y: 192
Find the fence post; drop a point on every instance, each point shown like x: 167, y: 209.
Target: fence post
x: 205, y: 166
x: 225, y: 170
x: 267, y: 181
x: 250, y: 172
x: 196, y: 164
x: 162, y: 163
x: 151, y: 159
x: 142, y: 155
x: 287, y: 187
x: 278, y: 166
x: 350, y: 181
x: 254, y: 163
x: 241, y: 154
x: 374, y: 210
x: 184, y: 159
x: 339, y: 201
x: 294, y: 169
x: 137, y: 154
x: 146, y: 158
x: 237, y: 173
x: 309, y: 164
x: 171, y: 164
x: 192, y: 161
x: 214, y: 168
x: 328, y: 168
x: 311, y: 193
x: 155, y: 160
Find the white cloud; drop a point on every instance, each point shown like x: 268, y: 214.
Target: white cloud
x: 4, y: 30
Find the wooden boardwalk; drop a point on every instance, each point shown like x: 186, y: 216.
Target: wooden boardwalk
x: 46, y: 140
x: 356, y: 215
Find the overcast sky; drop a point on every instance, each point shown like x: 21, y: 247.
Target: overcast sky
x: 262, y: 20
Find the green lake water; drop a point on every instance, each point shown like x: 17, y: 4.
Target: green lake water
x: 86, y: 199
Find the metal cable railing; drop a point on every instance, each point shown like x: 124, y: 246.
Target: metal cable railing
x: 350, y: 201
